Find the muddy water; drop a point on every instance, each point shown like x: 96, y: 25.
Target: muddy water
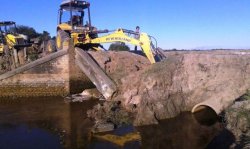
x: 52, y: 123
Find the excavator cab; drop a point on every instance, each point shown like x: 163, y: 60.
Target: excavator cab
x: 74, y: 22
x: 74, y: 14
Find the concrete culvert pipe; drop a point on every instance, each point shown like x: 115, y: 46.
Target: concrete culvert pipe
x: 206, y: 116
x: 217, y: 105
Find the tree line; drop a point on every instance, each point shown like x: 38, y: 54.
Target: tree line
x: 32, y: 33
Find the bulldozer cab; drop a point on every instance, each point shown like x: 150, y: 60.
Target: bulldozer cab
x: 8, y: 27
x: 10, y: 37
x: 74, y: 13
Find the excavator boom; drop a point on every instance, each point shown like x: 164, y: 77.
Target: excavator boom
x: 119, y: 36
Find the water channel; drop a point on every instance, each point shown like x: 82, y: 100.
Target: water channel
x: 53, y: 123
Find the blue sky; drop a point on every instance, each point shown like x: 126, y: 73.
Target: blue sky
x: 182, y: 24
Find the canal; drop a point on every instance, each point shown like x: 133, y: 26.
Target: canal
x: 54, y: 123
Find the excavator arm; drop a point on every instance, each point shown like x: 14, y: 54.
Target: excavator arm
x: 120, y: 36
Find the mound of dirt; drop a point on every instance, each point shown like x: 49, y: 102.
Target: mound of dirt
x: 163, y: 90
x: 120, y: 64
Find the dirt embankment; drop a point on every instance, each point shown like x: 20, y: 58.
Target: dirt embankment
x: 184, y: 79
x: 236, y: 119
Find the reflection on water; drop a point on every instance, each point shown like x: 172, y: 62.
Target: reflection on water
x: 51, y: 120
x: 53, y: 123
x: 119, y: 139
x: 22, y: 136
x: 182, y: 132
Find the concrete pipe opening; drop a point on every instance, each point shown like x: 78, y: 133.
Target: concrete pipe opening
x: 200, y: 107
x: 205, y: 115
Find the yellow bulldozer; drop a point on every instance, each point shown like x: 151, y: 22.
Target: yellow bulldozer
x: 75, y: 23
x: 12, y: 45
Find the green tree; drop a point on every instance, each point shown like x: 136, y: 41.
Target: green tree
x: 45, y: 36
x: 29, y: 31
x: 119, y: 46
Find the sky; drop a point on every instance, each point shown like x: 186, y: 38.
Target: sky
x: 180, y: 24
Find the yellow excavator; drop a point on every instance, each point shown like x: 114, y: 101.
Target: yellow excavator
x: 12, y: 44
x: 75, y: 23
